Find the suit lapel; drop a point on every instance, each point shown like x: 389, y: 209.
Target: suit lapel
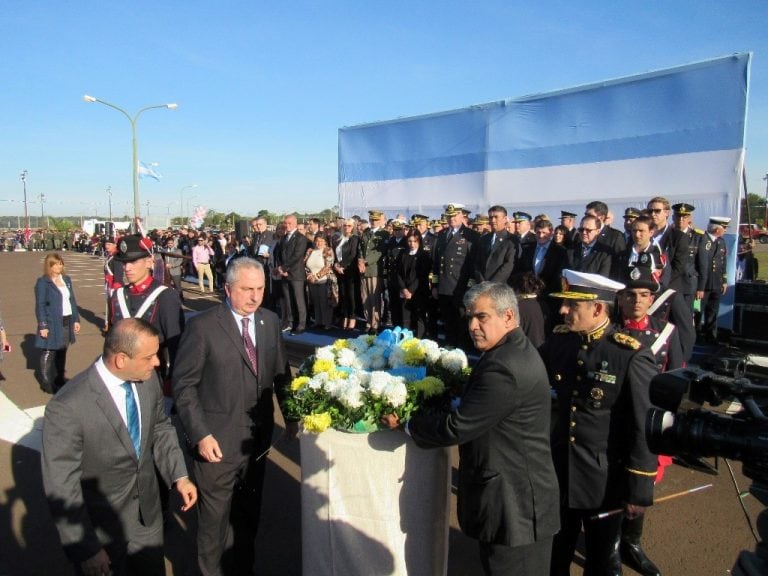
x: 146, y: 410
x: 106, y: 404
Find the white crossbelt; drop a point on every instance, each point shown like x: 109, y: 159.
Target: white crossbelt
x: 145, y: 305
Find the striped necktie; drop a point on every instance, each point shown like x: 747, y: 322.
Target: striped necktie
x: 132, y: 417
x: 250, y: 349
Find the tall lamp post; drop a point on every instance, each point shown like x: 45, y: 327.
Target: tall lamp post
x: 765, y: 215
x: 181, y: 200
x: 24, y: 183
x: 109, y: 195
x: 133, y: 119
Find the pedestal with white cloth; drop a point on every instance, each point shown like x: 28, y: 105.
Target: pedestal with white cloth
x: 373, y: 504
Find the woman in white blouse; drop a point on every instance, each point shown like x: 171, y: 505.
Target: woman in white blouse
x: 319, y: 263
x: 57, y: 321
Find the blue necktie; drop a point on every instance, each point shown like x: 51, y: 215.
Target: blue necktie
x: 132, y: 415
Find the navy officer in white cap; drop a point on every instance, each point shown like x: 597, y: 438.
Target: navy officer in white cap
x: 602, y: 461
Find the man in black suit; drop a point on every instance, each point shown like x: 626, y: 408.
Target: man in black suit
x: 497, y: 250
x: 508, y: 498
x: 673, y: 243
x: 452, y: 267
x: 610, y: 237
x: 261, y: 245
x: 231, y: 363
x: 590, y: 255
x: 290, y: 261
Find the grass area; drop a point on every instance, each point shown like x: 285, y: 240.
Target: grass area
x: 761, y: 253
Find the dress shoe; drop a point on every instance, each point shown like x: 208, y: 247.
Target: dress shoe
x: 633, y: 556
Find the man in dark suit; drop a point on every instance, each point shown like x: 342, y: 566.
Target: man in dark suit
x: 672, y: 242
x: 602, y: 461
x: 261, y: 245
x: 590, y: 255
x: 610, y: 237
x: 103, y: 435
x: 293, y: 248
x: 497, y: 250
x: 231, y: 362
x: 549, y: 258
x: 452, y: 267
x: 508, y: 498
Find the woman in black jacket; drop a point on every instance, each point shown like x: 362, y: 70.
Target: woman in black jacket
x: 57, y: 321
x: 346, y: 251
x: 413, y: 281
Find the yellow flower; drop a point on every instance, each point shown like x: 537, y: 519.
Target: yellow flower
x: 340, y: 344
x: 322, y: 366
x: 429, y: 386
x: 316, y: 422
x: 298, y: 383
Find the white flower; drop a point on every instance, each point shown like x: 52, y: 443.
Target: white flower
x: 431, y: 350
x: 396, y: 392
x: 378, y: 383
x: 350, y: 393
x: 325, y: 353
x: 347, y: 357
x: 396, y: 357
x: 454, y: 360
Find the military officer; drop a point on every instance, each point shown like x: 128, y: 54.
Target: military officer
x: 526, y: 240
x: 601, y: 378
x: 421, y: 223
x: 452, y: 267
x: 713, y: 276
x: 370, y: 264
x: 568, y: 219
x: 682, y: 216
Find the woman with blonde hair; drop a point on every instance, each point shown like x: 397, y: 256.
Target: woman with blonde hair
x: 57, y: 321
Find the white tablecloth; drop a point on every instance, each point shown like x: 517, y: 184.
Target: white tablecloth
x: 373, y: 504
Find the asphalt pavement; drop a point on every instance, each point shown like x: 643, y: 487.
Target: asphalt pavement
x: 697, y: 534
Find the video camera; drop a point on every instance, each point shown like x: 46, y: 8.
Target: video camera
x: 682, y: 427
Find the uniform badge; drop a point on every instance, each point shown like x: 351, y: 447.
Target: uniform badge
x: 597, y: 393
x: 708, y: 246
x: 643, y: 260
x: 635, y: 274
x: 123, y: 247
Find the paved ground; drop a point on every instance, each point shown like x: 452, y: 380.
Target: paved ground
x: 693, y: 535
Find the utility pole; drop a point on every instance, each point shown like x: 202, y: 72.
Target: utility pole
x: 765, y: 214
x: 24, y: 182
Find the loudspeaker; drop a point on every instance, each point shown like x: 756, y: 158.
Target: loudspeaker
x: 242, y: 228
x: 749, y: 321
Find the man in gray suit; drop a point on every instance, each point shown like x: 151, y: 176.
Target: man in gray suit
x: 100, y: 448
x: 508, y: 495
x: 231, y: 362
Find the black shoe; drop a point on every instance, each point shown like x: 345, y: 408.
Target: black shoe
x: 633, y: 556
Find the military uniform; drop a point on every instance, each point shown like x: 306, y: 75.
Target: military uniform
x: 695, y: 238
x: 452, y: 267
x: 598, y: 443
x: 372, y: 250
x: 394, y: 248
x: 712, y: 277
x: 653, y: 333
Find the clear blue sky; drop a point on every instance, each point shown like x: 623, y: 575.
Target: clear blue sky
x: 263, y: 87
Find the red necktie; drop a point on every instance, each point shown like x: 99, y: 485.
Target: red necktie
x: 250, y: 349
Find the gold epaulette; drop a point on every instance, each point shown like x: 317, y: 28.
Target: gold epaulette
x: 561, y: 329
x: 700, y: 232
x: 627, y: 341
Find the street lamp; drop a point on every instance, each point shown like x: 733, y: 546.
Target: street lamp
x: 109, y: 194
x: 133, y: 119
x: 181, y: 200
x: 189, y: 204
x: 24, y: 182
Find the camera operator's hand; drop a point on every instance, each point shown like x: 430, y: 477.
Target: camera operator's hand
x: 633, y: 511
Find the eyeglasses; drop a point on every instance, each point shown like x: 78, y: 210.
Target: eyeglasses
x: 582, y: 229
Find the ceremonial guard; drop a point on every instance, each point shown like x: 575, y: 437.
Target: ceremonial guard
x: 682, y: 215
x: 370, y: 263
x: 113, y: 275
x: 146, y: 298
x: 452, y: 268
x: 713, y: 276
x: 601, y: 378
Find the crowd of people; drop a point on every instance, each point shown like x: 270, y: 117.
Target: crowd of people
x: 579, y: 311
